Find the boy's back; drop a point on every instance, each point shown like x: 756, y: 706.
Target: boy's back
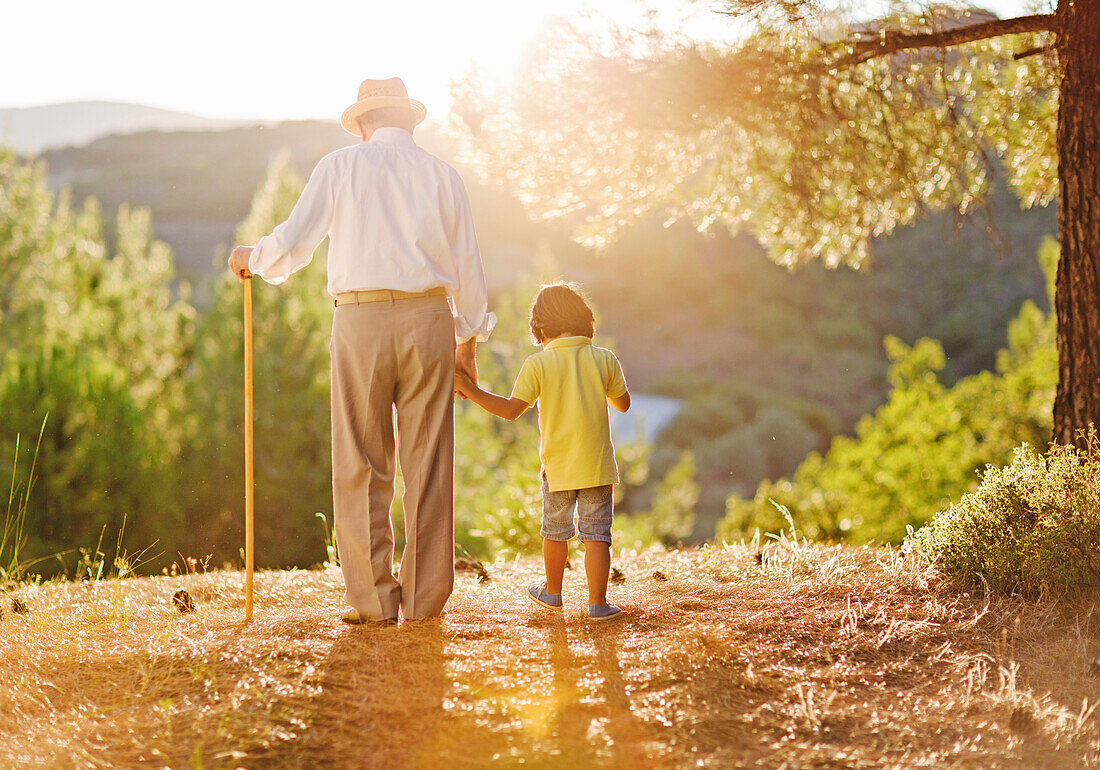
x: 573, y: 382
x: 572, y: 379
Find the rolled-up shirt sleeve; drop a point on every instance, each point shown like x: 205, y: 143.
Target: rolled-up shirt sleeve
x: 470, y: 299
x: 615, y: 384
x: 290, y: 245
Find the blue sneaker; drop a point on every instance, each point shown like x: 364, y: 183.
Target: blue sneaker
x: 598, y: 612
x: 537, y: 593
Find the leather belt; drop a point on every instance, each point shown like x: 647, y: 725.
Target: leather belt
x: 382, y: 295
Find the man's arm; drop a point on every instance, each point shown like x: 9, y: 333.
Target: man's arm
x: 290, y: 245
x: 506, y: 408
x: 466, y: 358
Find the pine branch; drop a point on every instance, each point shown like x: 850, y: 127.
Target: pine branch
x: 889, y: 42
x: 1031, y: 52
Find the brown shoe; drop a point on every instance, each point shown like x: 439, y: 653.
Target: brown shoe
x: 353, y: 617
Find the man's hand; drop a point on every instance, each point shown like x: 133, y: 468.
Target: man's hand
x: 238, y: 261
x: 464, y: 386
x: 466, y: 359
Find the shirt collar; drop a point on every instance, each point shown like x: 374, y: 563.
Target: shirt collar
x: 393, y: 135
x: 567, y: 342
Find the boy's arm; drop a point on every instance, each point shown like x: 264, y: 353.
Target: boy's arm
x: 616, y: 383
x: 507, y: 408
x: 621, y: 403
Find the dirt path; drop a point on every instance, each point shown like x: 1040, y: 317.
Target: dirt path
x: 818, y: 657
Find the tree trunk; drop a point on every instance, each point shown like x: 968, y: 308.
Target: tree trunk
x: 1077, y: 297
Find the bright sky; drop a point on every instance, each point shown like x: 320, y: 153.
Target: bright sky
x: 278, y: 60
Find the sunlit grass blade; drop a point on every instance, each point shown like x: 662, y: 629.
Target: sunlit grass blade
x: 14, y: 536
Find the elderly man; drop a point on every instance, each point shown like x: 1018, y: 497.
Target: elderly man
x: 404, y: 267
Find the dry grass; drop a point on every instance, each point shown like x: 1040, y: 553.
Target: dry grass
x: 818, y: 657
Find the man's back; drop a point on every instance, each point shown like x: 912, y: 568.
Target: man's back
x: 395, y: 216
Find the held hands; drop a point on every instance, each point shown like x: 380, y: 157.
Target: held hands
x: 466, y: 366
x: 238, y: 261
x: 464, y: 386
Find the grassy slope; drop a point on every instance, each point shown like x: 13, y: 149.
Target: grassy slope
x: 819, y: 657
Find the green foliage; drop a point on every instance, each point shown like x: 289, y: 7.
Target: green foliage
x: 69, y: 288
x: 670, y: 520
x: 14, y: 537
x: 1029, y: 528
x: 707, y: 318
x: 89, y: 333
x: 291, y: 328
x: 768, y: 133
x: 922, y: 448
x: 770, y: 364
x: 100, y: 456
x: 774, y: 136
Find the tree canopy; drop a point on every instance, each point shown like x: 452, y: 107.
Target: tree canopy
x: 814, y: 131
x: 771, y: 135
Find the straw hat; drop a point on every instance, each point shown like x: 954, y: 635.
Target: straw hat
x: 381, y: 93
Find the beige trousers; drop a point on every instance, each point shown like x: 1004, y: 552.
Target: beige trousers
x: 394, y: 357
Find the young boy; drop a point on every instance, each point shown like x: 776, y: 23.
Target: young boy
x: 573, y: 381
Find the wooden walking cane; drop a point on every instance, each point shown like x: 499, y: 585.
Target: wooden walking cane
x: 249, y: 489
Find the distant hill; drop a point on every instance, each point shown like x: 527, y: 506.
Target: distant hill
x: 199, y: 185
x: 31, y: 130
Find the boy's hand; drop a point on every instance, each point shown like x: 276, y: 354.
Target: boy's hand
x: 501, y: 406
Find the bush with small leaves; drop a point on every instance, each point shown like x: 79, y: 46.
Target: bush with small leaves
x: 1029, y: 528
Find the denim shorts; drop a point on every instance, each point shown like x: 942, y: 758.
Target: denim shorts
x: 595, y: 507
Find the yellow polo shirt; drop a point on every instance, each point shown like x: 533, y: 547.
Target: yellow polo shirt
x: 572, y: 379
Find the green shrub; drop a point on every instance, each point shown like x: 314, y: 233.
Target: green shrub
x: 670, y: 519
x: 920, y: 450
x: 293, y: 473
x: 14, y: 535
x: 99, y: 459
x: 92, y: 332
x: 1029, y: 527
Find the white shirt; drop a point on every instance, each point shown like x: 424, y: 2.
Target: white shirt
x: 397, y: 217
